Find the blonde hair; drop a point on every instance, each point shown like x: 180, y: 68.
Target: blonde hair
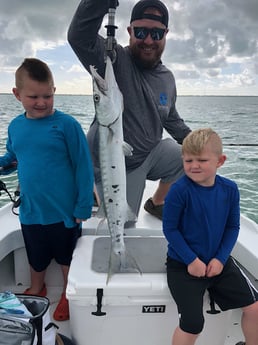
x: 195, y: 141
x: 36, y: 70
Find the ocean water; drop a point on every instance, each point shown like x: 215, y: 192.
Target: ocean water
x: 234, y: 118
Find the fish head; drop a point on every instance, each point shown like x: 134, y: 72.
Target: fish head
x: 108, y: 99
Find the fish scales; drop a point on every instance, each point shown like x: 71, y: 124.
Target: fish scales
x: 108, y: 102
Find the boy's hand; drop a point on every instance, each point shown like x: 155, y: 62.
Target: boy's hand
x: 197, y: 268
x: 78, y: 220
x: 214, y: 268
x: 8, y: 169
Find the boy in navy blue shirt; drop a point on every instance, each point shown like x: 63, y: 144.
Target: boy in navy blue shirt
x: 201, y: 224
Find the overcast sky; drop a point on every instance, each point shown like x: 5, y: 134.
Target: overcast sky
x: 212, y: 45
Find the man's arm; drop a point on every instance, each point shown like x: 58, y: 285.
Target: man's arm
x: 176, y: 126
x: 83, y: 33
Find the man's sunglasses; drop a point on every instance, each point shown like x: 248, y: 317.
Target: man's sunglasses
x: 141, y: 33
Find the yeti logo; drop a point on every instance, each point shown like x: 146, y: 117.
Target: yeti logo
x: 153, y: 309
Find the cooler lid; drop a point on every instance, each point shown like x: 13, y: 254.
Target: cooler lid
x: 148, y: 252
x: 90, y: 266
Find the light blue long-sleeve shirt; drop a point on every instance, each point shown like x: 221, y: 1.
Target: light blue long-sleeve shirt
x: 54, y: 168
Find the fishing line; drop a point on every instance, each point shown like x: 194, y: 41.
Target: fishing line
x: 251, y: 145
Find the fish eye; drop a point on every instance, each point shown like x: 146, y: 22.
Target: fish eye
x: 96, y: 98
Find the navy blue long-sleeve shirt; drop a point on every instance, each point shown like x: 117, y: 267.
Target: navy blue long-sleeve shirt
x: 201, y: 221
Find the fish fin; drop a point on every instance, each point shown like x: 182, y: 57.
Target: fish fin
x: 101, y: 211
x: 130, y: 215
x: 122, y: 263
x: 110, y: 136
x: 128, y: 149
x: 100, y: 226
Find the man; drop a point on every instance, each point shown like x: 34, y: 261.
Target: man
x: 149, y: 94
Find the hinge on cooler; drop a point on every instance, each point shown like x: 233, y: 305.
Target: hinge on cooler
x: 213, y: 309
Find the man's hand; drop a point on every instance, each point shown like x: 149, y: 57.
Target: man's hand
x: 113, y: 3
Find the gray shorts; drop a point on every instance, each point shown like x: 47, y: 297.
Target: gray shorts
x: 163, y: 163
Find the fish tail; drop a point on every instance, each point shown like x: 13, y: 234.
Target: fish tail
x: 122, y: 262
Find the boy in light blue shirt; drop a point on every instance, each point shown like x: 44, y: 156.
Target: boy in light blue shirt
x: 55, y: 175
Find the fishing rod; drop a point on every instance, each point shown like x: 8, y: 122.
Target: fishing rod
x: 16, y: 199
x: 233, y: 144
x: 110, y: 42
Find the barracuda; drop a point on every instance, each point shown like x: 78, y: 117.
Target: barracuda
x: 108, y: 102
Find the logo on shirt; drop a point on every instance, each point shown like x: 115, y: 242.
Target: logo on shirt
x: 163, y: 99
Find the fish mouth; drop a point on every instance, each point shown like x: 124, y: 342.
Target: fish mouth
x: 99, y: 83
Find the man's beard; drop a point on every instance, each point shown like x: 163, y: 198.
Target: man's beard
x: 136, y: 51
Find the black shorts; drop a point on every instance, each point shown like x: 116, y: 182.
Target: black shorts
x: 231, y: 289
x: 46, y: 242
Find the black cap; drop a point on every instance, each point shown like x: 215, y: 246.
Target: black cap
x: 139, y: 8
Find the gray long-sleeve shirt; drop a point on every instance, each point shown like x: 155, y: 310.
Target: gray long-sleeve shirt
x: 149, y: 94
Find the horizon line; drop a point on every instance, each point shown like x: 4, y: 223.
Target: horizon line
x: 179, y: 95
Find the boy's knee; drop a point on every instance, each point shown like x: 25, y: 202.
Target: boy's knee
x: 251, y: 310
x: 192, y: 325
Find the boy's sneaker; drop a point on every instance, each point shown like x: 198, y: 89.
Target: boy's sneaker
x: 155, y: 210
x: 240, y: 343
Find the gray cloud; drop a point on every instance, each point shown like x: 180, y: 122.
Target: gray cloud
x: 205, y: 36
x: 22, y: 23
x: 215, y: 27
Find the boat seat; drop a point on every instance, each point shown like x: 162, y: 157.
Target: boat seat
x: 245, y: 250
x: 10, y: 231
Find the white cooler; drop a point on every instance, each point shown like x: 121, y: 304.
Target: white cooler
x: 131, y: 308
